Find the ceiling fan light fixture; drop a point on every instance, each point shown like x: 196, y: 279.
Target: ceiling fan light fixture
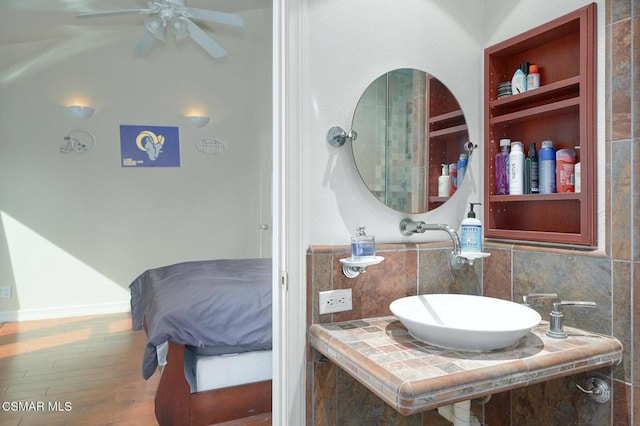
x: 180, y: 28
x: 156, y: 26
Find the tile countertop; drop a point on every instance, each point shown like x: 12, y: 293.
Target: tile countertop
x: 412, y: 376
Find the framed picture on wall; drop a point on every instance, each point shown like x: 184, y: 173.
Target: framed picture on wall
x: 149, y: 146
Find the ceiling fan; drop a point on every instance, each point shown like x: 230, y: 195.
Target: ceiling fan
x: 179, y: 18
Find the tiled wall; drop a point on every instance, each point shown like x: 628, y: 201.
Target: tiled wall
x: 610, y: 278
x: 333, y: 397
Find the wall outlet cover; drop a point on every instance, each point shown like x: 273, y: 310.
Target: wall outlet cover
x: 5, y: 292
x: 335, y: 301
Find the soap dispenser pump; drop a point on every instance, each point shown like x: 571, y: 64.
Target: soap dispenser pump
x: 362, y: 245
x: 471, y: 232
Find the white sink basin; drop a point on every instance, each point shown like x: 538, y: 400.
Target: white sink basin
x: 464, y: 322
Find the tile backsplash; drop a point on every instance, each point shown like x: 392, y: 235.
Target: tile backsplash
x: 510, y: 272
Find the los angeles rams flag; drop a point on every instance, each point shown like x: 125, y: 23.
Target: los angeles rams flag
x: 149, y: 146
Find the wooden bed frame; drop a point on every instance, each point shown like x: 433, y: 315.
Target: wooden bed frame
x: 176, y: 405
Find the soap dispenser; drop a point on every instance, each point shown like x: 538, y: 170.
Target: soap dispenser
x: 471, y: 232
x: 362, y: 245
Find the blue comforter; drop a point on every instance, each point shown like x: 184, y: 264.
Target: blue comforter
x: 221, y: 306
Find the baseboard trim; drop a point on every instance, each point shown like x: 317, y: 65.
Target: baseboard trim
x: 64, y: 312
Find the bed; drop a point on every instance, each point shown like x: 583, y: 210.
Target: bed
x: 208, y: 326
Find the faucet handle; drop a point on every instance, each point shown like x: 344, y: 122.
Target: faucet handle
x: 557, y: 305
x: 527, y: 297
x: 556, y: 322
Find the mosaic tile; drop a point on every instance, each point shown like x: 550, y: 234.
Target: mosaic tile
x: 413, y: 380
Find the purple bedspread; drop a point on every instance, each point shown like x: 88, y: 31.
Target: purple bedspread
x: 223, y: 306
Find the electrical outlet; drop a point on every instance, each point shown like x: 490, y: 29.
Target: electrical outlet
x: 5, y: 292
x: 335, y: 301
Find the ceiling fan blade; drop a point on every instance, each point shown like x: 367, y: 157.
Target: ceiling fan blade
x: 205, y: 41
x: 113, y: 13
x: 213, y: 16
x: 145, y: 43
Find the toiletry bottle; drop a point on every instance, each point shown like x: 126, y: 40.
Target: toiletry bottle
x: 531, y: 171
x: 533, y: 78
x: 516, y: 169
x: 362, y: 245
x: 547, y: 168
x: 519, y: 80
x: 565, y: 174
x: 462, y: 168
x: 502, y: 168
x: 471, y: 232
x: 453, y: 174
x: 444, y: 182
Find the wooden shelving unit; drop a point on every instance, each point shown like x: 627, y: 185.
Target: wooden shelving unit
x: 447, y: 133
x: 561, y: 110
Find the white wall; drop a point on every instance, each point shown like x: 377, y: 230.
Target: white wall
x: 347, y: 46
x: 76, y: 229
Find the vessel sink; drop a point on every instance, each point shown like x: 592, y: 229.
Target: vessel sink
x: 465, y: 322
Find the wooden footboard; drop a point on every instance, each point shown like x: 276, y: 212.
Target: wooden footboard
x: 176, y: 405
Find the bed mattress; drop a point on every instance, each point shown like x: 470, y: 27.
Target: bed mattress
x: 207, y: 372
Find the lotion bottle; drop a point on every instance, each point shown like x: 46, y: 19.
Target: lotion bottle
x: 362, y: 245
x: 471, y: 232
x: 444, y: 182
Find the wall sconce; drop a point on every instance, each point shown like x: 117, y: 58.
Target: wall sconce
x: 198, y: 120
x: 81, y: 111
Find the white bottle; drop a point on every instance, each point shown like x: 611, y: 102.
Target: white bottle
x: 471, y: 232
x: 519, y: 82
x: 444, y: 182
x: 516, y: 169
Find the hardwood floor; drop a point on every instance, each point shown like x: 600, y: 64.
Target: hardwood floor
x: 74, y: 371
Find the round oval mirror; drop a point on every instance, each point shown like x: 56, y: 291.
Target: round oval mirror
x: 411, y: 131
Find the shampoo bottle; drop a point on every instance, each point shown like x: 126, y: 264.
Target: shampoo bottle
x: 444, y: 182
x: 471, y: 232
x: 502, y: 168
x: 362, y: 245
x: 516, y: 169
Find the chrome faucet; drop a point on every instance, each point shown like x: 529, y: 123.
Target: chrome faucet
x: 556, y: 323
x: 526, y: 298
x: 410, y: 227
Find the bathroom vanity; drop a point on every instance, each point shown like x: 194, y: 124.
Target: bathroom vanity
x: 412, y: 376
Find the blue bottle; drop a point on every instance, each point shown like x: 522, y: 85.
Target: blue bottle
x: 462, y: 168
x: 547, y: 168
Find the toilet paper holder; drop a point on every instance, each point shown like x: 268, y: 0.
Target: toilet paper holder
x: 597, y: 389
